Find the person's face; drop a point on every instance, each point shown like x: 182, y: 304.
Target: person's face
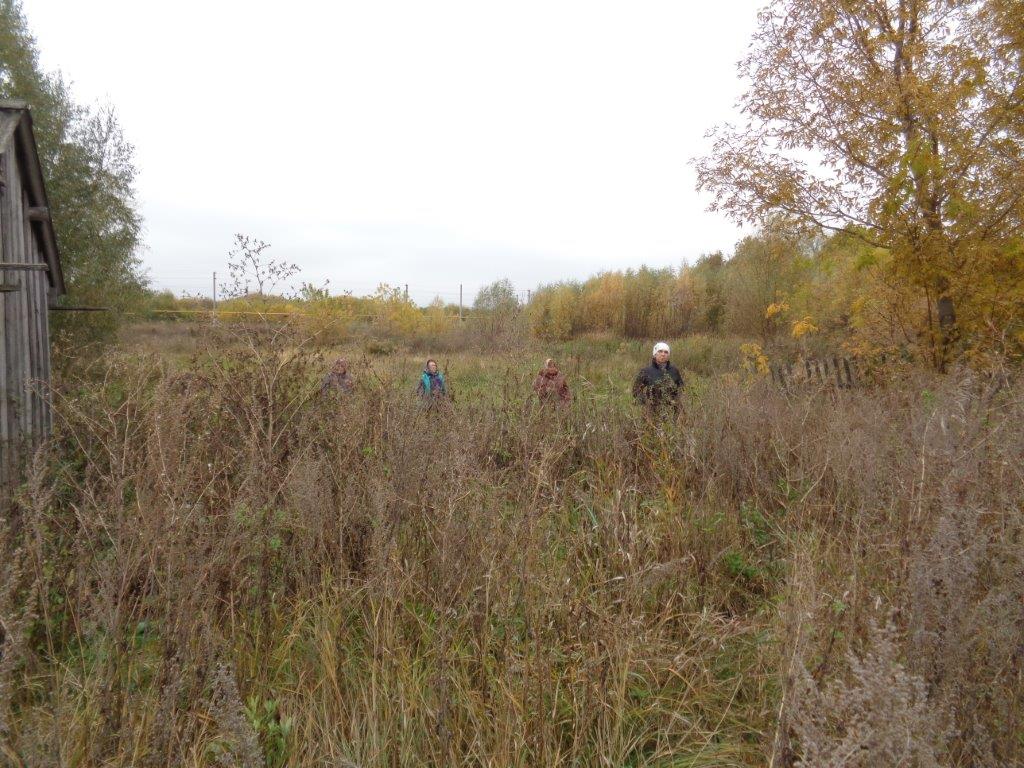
x: 339, y: 366
x: 432, y: 366
x: 661, y: 356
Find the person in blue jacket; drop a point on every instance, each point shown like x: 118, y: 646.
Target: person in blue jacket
x: 432, y: 385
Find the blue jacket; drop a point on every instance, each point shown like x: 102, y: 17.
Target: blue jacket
x: 428, y: 387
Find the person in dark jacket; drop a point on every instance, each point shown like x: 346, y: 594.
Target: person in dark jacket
x: 551, y: 386
x: 432, y: 384
x: 338, y: 379
x: 660, y: 383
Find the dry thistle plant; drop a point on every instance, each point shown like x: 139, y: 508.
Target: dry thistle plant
x: 237, y: 745
x: 882, y: 716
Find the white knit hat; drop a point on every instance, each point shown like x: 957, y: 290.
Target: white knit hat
x: 661, y: 346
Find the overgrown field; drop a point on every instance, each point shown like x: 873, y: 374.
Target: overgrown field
x: 216, y: 565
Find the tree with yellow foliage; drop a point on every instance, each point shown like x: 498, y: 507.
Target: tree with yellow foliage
x: 552, y: 311
x: 900, y: 122
x: 393, y: 311
x: 602, y: 299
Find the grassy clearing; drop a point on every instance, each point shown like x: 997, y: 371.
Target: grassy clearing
x: 216, y: 566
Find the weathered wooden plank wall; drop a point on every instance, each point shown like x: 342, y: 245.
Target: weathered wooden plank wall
x: 24, y: 324
x: 41, y: 350
x: 6, y: 449
x: 9, y: 194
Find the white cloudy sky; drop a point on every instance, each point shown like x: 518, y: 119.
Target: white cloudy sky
x: 412, y: 142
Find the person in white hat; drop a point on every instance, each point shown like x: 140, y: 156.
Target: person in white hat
x: 660, y: 383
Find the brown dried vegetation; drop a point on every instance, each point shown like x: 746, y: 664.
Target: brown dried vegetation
x: 217, y: 566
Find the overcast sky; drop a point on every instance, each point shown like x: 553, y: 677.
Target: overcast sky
x: 421, y: 143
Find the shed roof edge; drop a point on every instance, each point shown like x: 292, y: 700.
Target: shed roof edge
x: 36, y: 186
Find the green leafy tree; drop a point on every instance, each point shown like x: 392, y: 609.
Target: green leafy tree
x: 90, y: 175
x: 496, y: 308
x: 498, y: 297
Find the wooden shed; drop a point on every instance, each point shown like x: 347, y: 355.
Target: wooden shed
x: 30, y: 281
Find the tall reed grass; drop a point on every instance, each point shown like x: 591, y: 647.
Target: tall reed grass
x: 214, y: 564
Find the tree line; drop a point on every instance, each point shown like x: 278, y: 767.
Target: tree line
x: 783, y: 288
x: 880, y: 159
x: 787, y: 285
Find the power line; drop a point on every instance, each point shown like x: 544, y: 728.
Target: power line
x: 252, y: 312
x: 191, y: 280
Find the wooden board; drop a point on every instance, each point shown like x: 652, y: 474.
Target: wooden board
x: 25, y: 417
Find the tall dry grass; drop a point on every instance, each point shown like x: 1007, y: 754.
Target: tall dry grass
x: 216, y: 565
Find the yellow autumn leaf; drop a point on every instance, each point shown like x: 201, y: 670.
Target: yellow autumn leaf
x: 804, y: 326
x: 754, y: 358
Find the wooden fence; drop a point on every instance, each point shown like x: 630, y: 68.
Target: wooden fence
x: 835, y: 371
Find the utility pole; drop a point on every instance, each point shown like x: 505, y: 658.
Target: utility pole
x: 214, y: 295
x: 460, y: 301
x: 406, y: 291
x: 529, y: 293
